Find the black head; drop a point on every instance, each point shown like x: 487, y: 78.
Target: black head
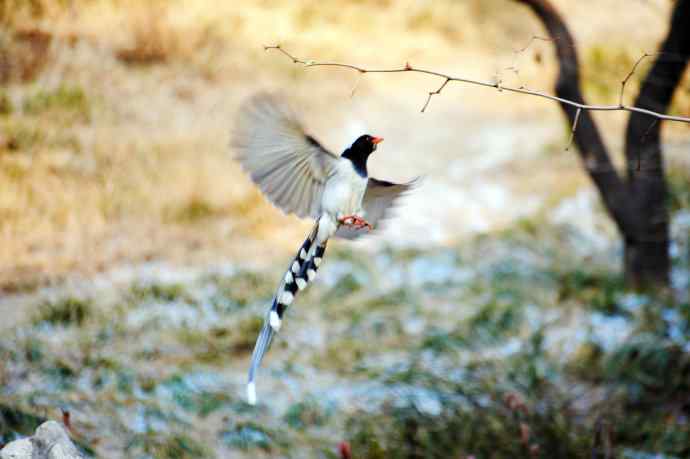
x: 360, y: 150
x: 366, y: 144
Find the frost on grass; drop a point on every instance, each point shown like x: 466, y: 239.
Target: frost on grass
x: 506, y: 346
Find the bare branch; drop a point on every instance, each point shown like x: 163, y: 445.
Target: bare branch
x: 572, y: 130
x: 356, y: 85
x: 631, y: 73
x: 496, y: 85
x: 517, y: 52
x: 529, y: 43
x: 433, y: 93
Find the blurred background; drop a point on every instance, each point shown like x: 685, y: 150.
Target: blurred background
x: 488, y: 319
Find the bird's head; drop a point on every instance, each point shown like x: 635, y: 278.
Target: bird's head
x: 364, y: 146
x: 359, y: 152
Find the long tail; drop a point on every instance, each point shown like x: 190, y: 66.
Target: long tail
x: 301, y: 271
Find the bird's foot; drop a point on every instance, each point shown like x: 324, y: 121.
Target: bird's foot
x: 355, y: 221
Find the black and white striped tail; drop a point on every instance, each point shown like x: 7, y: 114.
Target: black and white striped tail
x: 301, y: 271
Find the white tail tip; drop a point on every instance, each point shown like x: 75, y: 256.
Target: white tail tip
x: 251, y: 393
x: 275, y: 322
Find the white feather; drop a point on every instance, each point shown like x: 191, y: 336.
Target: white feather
x: 275, y: 321
x: 251, y: 393
x: 301, y: 283
x: 287, y: 164
x: 286, y: 298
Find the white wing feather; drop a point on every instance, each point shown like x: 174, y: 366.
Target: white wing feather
x: 286, y: 163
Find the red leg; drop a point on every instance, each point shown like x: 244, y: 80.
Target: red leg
x: 355, y: 221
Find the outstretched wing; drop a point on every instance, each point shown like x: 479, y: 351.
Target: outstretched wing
x: 378, y: 203
x: 286, y: 163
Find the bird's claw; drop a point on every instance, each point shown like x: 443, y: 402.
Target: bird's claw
x: 355, y: 221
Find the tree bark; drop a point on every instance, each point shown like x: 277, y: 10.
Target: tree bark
x: 647, y: 238
x: 636, y: 204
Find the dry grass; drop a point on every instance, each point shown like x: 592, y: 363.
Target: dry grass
x: 113, y: 145
x: 23, y: 54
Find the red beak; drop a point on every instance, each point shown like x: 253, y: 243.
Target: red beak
x: 376, y: 140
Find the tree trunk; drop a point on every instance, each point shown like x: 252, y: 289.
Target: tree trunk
x: 647, y: 264
x: 647, y: 241
x: 637, y: 204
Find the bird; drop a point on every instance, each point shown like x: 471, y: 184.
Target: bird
x: 300, y: 176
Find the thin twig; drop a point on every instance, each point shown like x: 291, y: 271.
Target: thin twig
x: 496, y: 85
x: 356, y: 85
x: 572, y: 130
x: 630, y: 74
x: 529, y: 43
x: 517, y: 52
x: 649, y: 129
x: 433, y: 93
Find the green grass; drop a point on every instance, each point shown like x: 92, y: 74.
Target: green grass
x: 306, y: 413
x: 194, y: 210
x: 15, y: 422
x: 63, y: 100
x: 176, y: 446
x: 531, y: 352
x: 67, y: 312
x: 158, y: 292
x: 21, y: 136
x: 215, y: 344
x: 678, y: 179
x: 250, y: 436
x: 6, y: 105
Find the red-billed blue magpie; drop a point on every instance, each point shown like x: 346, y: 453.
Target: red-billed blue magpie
x: 300, y: 176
